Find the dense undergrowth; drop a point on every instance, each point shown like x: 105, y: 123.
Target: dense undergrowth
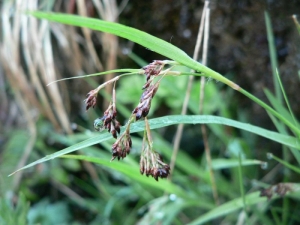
x: 86, y: 188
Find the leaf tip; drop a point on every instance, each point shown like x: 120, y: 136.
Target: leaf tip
x: 12, y: 173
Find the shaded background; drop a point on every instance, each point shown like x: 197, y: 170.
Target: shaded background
x: 34, y: 53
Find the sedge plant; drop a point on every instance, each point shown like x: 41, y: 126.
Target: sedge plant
x: 151, y: 162
x: 156, y: 71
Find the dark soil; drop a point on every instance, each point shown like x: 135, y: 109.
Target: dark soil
x: 238, y: 42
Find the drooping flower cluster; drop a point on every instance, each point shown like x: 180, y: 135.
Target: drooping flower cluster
x: 151, y: 71
x: 151, y: 162
x: 122, y: 146
x: 108, y: 121
x: 144, y: 105
x: 91, y: 99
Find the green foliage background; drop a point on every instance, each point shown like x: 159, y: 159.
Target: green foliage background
x: 89, y: 189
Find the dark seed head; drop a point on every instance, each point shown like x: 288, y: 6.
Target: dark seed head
x: 138, y: 114
x: 129, y: 142
x: 145, y: 111
x: 114, y: 133
x: 107, y: 120
x: 117, y: 126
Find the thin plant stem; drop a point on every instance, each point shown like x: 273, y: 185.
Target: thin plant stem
x: 114, y: 95
x: 240, y: 174
x: 201, y: 100
x: 148, y: 132
x: 285, y: 203
x: 132, y: 72
x: 179, y: 130
x: 285, y: 98
x: 273, y: 55
x: 87, y: 33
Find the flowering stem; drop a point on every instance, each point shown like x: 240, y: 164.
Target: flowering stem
x: 114, y: 97
x: 130, y: 121
x: 148, y: 132
x: 107, y: 82
x: 128, y: 72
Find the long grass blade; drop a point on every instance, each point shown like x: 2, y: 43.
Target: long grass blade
x: 285, y: 163
x: 273, y: 55
x: 172, y: 120
x: 157, y: 45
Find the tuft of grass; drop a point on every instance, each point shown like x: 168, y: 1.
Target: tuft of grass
x: 117, y: 188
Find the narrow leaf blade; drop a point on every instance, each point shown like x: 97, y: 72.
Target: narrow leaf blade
x: 173, y: 120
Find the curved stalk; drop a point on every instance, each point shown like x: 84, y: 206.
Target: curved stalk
x: 157, y: 45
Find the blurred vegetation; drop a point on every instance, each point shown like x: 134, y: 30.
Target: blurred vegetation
x: 38, y: 120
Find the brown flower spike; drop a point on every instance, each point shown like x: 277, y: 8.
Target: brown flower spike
x: 108, y: 121
x: 153, y: 69
x: 151, y: 162
x: 91, y: 99
x: 122, y: 146
x: 150, y: 89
